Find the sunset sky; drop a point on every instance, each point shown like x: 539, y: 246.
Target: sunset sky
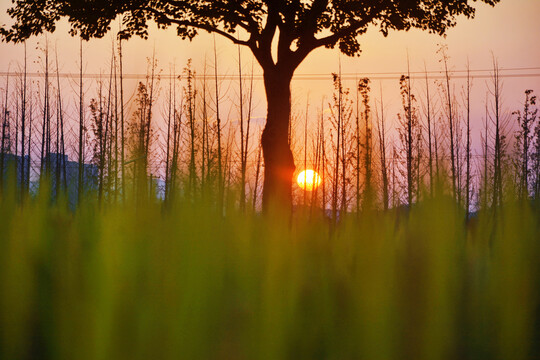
x: 510, y: 32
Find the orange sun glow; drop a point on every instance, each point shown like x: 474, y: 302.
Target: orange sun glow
x: 308, y: 180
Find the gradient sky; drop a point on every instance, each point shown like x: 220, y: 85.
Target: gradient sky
x: 510, y: 32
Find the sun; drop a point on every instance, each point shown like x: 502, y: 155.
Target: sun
x: 308, y: 180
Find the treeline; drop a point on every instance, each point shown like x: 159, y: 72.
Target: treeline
x: 178, y: 137
x: 167, y: 139
x: 371, y: 159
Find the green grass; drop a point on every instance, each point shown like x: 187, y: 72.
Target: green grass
x: 140, y: 282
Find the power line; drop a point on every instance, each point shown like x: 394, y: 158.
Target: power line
x: 432, y: 74
x: 430, y: 77
x: 439, y: 71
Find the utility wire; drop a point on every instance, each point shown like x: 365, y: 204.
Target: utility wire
x: 432, y: 74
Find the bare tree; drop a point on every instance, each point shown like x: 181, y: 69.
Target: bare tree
x: 4, y: 143
x: 498, y: 151
x: 122, y: 123
x: 190, y: 94
x: 536, y: 163
x: 30, y: 116
x: 249, y: 114
x: 450, y: 117
x: 205, y: 146
x: 257, y: 175
x: 318, y: 158
x: 305, y: 148
x: 61, y: 168
x: 81, y: 177
x: 168, y: 141
x: 468, y: 145
x: 151, y: 84
x: 177, y: 127
x: 341, y: 113
x: 364, y: 89
x: 408, y: 132
x: 381, y: 131
x: 115, y: 125
x: 484, y: 191
x: 244, y: 134
x: 218, y: 124
x: 337, y: 102
x: 524, y: 138
x: 45, y: 167
x: 429, y: 126
x: 22, y: 170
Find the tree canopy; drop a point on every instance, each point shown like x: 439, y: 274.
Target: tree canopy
x: 302, y: 25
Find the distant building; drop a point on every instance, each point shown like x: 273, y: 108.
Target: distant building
x: 158, y: 187
x: 62, y: 173
x: 12, y: 164
x: 67, y: 174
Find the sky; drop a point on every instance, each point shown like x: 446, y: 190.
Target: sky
x: 508, y: 32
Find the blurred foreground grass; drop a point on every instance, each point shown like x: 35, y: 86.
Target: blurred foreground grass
x: 140, y: 282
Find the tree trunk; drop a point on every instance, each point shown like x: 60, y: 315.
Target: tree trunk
x: 278, y: 157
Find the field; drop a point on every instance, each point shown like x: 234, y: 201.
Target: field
x: 139, y: 280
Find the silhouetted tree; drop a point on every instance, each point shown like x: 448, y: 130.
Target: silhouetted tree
x: 318, y: 156
x: 244, y: 130
x: 524, y: 139
x: 409, y: 133
x: 364, y: 89
x: 257, y: 173
x: 176, y: 132
x: 137, y: 140
x: 300, y: 27
x: 341, y: 110
x: 381, y: 131
x: 61, y: 168
x: 99, y: 119
x: 499, y: 137
x: 190, y: 93
x: 168, y: 140
x: 24, y: 178
x: 45, y: 163
x: 218, y: 130
x: 429, y: 130
x: 536, y: 162
x: 483, y: 194
x: 122, y: 121
x: 468, y: 145
x: 4, y: 143
x: 450, y: 114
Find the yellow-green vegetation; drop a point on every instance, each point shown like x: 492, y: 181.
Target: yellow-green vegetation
x: 144, y: 281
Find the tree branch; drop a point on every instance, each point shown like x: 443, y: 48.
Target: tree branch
x: 334, y: 38
x: 264, y: 48
x: 245, y: 20
x: 207, y: 27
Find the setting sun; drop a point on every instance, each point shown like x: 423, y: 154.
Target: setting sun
x: 308, y: 180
